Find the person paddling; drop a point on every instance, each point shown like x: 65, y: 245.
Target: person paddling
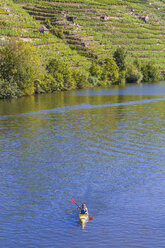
x: 83, y: 209
x: 90, y: 218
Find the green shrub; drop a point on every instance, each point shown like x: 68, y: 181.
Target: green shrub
x: 9, y: 89
x: 122, y: 77
x: 137, y: 62
x: 133, y: 75
x: 150, y: 72
x: 49, y: 84
x: 81, y: 79
x: 93, y: 80
x: 62, y: 74
x: 163, y: 75
x: 20, y: 61
x: 95, y: 69
x: 110, y: 72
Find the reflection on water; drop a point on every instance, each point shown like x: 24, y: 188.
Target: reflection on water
x: 87, y: 106
x: 103, y: 146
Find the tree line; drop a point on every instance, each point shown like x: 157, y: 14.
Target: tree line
x: 22, y: 72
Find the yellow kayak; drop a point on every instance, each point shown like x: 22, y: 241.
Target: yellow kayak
x: 83, y: 218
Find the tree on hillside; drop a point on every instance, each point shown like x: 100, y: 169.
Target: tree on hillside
x: 20, y: 62
x: 150, y: 72
x: 120, y: 58
x: 95, y: 69
x: 62, y: 74
x: 110, y: 72
x: 133, y: 75
x: 80, y: 78
x: 138, y: 63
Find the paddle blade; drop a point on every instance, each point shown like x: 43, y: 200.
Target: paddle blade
x: 90, y: 218
x: 73, y: 200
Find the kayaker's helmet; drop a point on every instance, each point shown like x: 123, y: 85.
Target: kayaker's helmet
x: 83, y: 205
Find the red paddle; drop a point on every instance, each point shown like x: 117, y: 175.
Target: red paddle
x: 78, y: 206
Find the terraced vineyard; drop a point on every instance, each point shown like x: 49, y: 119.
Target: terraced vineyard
x: 86, y: 29
x: 15, y: 22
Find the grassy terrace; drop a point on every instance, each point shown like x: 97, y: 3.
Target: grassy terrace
x: 88, y: 36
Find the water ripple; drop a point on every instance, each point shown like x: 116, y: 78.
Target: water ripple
x: 67, y: 109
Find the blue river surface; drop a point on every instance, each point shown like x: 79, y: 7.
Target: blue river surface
x: 104, y: 147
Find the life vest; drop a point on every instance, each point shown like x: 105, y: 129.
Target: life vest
x: 84, y: 211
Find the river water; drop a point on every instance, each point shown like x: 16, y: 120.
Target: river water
x: 105, y: 147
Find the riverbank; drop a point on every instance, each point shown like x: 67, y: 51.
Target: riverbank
x: 22, y: 71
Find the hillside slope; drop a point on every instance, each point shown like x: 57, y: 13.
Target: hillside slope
x: 80, y: 30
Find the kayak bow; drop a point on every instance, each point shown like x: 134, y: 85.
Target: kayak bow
x: 83, y: 218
